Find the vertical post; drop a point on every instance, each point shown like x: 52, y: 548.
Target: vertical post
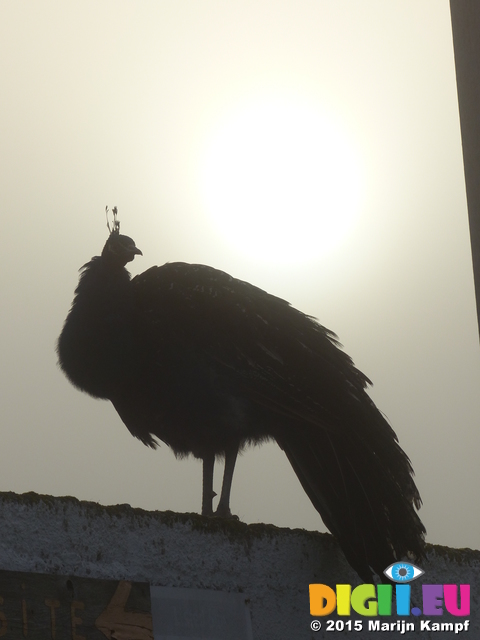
x: 465, y: 16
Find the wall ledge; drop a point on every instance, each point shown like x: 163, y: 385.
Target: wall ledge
x: 272, y: 566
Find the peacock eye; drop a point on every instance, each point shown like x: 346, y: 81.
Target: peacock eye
x: 403, y: 572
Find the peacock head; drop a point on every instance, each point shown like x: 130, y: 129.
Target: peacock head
x: 118, y: 249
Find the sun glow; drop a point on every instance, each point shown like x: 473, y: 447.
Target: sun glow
x: 282, y: 181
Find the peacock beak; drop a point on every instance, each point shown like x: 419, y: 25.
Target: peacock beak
x: 137, y: 251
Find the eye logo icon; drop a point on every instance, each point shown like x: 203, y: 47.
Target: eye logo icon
x: 403, y: 572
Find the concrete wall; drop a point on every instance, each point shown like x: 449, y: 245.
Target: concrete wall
x: 272, y: 567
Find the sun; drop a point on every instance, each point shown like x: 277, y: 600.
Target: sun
x: 281, y: 180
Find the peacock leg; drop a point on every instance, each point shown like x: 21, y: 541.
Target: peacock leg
x: 223, y: 509
x: 208, y: 493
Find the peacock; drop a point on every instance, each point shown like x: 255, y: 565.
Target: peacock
x: 210, y: 364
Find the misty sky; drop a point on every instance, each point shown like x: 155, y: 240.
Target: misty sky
x: 126, y: 104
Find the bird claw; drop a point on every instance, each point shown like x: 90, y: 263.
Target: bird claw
x: 220, y: 513
x: 225, y: 513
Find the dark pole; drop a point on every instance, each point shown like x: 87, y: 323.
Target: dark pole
x: 466, y: 42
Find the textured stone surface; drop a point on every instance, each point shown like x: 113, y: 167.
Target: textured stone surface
x: 272, y: 567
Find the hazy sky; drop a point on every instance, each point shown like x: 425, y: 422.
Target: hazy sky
x: 157, y: 108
